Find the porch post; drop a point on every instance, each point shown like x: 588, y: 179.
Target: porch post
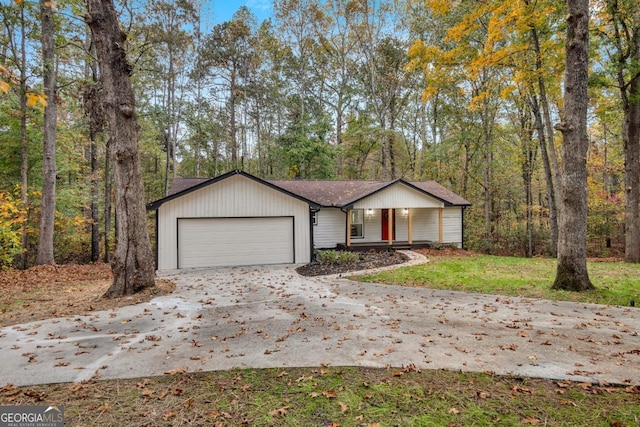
x: 390, y: 213
x: 348, y: 240
x: 440, y: 224
x: 410, y: 231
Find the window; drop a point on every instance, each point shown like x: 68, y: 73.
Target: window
x: 357, y: 223
x: 314, y: 217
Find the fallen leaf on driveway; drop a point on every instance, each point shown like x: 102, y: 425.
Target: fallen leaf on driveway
x: 177, y: 371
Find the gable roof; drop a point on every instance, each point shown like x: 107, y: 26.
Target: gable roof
x: 321, y: 193
x: 182, y: 186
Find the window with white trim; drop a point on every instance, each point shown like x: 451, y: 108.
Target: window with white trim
x: 357, y: 223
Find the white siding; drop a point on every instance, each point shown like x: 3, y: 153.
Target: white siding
x: 452, y: 226
x: 425, y: 224
x: 235, y: 196
x: 372, y: 227
x: 398, y: 196
x: 330, y: 230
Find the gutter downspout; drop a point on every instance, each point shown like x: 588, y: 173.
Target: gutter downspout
x: 347, y: 230
x: 313, y: 252
x: 157, y: 238
x: 464, y: 208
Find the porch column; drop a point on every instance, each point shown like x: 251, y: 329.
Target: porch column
x: 348, y: 239
x: 440, y: 224
x: 390, y: 213
x: 410, y: 231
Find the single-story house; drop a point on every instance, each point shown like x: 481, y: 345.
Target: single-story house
x: 239, y: 219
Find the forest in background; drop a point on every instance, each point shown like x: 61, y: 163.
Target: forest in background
x: 464, y: 93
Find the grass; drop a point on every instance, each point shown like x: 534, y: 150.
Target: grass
x: 334, y: 396
x: 616, y: 283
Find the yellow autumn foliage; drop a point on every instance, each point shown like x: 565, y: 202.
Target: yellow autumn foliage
x: 12, y: 216
x: 33, y: 99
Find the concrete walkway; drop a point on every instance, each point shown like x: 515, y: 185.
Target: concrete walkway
x: 267, y: 317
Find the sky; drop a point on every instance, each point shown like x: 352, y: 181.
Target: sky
x: 223, y: 10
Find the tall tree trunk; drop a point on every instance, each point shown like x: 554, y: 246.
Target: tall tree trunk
x: 548, y: 175
x: 233, y: 139
x: 24, y: 142
x: 547, y: 147
x: 133, y: 262
x: 631, y: 136
x: 107, y: 202
x: 48, y: 204
x: 95, y: 114
x: 630, y: 95
x: 572, y: 273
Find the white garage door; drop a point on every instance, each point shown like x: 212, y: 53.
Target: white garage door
x: 217, y: 242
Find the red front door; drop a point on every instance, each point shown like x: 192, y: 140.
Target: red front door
x: 385, y: 223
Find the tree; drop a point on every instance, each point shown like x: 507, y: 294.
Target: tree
x: 572, y: 272
x: 620, y: 30
x: 173, y: 44
x: 48, y: 204
x: 227, y: 56
x: 133, y: 262
x: 95, y: 118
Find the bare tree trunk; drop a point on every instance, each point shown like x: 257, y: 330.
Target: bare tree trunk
x: 547, y: 148
x: 95, y: 116
x: 24, y: 142
x: 548, y: 174
x: 133, y: 262
x: 107, y: 202
x: 631, y: 136
x: 48, y: 204
x: 630, y: 95
x: 572, y: 273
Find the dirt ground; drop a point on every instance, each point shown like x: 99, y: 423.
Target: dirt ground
x: 50, y: 291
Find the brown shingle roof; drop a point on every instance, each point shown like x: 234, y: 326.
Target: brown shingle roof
x: 337, y: 193
x: 330, y: 193
x: 440, y: 192
x: 180, y: 184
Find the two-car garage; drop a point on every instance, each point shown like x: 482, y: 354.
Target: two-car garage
x: 232, y: 220
x: 216, y: 242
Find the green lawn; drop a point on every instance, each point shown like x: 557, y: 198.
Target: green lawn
x: 616, y: 282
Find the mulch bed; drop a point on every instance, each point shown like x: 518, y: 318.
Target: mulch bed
x: 367, y: 260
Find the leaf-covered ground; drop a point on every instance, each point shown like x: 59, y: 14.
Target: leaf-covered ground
x: 48, y: 291
x: 321, y: 396
x: 332, y: 397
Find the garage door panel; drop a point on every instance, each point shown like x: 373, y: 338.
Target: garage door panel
x: 214, y: 242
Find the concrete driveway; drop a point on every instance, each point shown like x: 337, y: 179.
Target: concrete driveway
x: 266, y: 317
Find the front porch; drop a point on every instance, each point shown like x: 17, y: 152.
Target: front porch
x: 382, y: 246
x: 393, y: 228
